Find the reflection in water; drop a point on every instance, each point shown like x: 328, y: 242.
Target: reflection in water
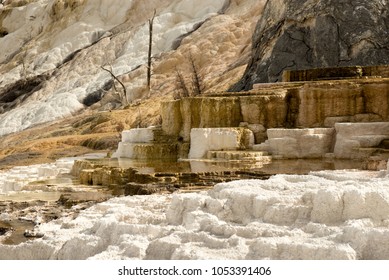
x: 304, y: 166
x: 279, y: 166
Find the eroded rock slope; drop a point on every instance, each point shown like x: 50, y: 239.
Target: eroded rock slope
x: 52, y: 52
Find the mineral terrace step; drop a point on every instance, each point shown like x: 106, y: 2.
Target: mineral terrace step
x: 146, y: 151
x: 160, y: 137
x: 237, y: 155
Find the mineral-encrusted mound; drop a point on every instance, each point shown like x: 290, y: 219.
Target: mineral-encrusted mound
x: 298, y: 34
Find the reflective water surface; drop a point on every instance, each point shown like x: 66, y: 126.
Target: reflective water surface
x: 279, y: 166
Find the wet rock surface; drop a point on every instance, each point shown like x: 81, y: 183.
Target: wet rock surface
x: 131, y: 181
x: 189, y: 182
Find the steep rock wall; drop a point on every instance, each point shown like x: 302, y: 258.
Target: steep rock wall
x: 298, y: 34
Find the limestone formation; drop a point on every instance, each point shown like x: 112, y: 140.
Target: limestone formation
x: 297, y: 116
x: 321, y: 216
x: 333, y: 73
x: 20, y: 176
x: 299, y: 143
x: 218, y: 139
x: 146, y: 144
x: 180, y: 116
x: 360, y: 140
x: 305, y: 104
x: 139, y: 135
x: 299, y: 34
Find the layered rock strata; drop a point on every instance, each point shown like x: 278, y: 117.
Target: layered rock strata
x: 146, y: 143
x: 288, y: 105
x: 336, y: 73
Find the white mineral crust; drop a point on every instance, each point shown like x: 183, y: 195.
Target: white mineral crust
x: 16, y: 178
x: 298, y: 143
x: 353, y: 140
x: 323, y: 215
x: 203, y: 140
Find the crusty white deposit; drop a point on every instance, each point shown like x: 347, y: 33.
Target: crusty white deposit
x: 324, y: 215
x: 16, y: 178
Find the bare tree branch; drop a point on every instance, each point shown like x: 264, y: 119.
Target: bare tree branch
x: 124, y: 98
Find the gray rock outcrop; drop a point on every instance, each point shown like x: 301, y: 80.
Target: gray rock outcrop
x: 300, y: 34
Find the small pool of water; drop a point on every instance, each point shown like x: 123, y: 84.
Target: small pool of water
x: 18, y: 229
x: 31, y: 196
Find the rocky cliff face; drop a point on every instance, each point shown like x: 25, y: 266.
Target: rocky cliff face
x: 297, y: 34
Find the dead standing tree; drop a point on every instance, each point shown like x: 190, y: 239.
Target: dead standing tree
x: 151, y: 23
x: 183, y: 90
x: 197, y: 83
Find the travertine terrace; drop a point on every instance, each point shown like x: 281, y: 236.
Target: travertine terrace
x: 309, y: 102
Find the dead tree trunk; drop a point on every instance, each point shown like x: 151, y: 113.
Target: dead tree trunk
x: 151, y: 22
